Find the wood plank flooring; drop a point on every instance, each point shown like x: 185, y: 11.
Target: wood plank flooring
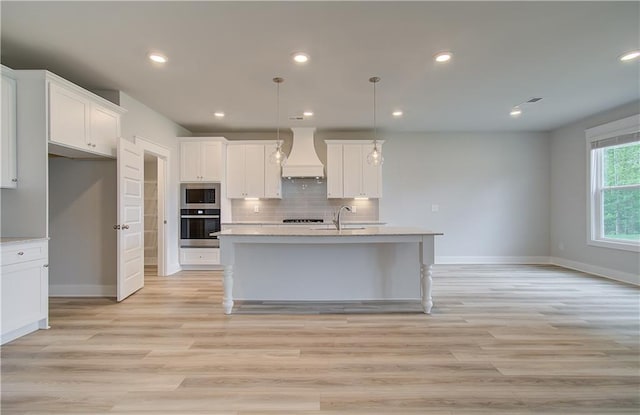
x: 501, y: 339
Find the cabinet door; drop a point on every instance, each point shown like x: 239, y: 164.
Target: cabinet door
x: 104, y: 131
x: 23, y: 287
x: 68, y: 118
x: 371, y: 176
x: 190, y: 161
x: 8, y: 171
x: 211, y: 161
x: 254, y: 170
x: 235, y: 172
x: 352, y: 170
x: 334, y: 171
x: 272, y: 175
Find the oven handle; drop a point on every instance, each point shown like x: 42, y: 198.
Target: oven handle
x: 200, y: 216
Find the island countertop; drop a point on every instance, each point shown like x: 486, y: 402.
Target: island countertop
x: 324, y: 231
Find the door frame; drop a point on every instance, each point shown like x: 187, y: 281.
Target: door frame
x: 163, y: 154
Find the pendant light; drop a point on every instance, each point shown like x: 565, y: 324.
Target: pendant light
x: 278, y: 156
x: 375, y: 156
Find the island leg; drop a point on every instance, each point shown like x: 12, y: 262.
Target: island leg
x: 227, y: 301
x: 426, y: 280
x: 427, y: 259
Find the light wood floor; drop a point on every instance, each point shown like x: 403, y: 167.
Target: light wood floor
x: 501, y: 339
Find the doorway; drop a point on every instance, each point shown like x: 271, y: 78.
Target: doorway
x: 154, y: 206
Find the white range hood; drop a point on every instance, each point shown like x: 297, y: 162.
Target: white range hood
x: 303, y: 160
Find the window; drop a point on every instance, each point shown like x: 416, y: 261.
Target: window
x: 614, y: 185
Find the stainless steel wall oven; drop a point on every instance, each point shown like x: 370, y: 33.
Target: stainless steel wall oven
x: 199, y: 214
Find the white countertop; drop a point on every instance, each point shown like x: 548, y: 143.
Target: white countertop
x: 346, y: 223
x: 323, y: 231
x: 20, y: 239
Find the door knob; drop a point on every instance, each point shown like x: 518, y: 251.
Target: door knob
x: 116, y: 227
x: 125, y: 226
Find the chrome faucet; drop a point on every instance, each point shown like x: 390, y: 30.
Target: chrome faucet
x: 337, y: 221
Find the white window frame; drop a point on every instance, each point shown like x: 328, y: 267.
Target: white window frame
x: 595, y: 231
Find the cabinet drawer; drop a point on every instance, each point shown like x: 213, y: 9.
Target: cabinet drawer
x: 17, y: 254
x: 200, y: 256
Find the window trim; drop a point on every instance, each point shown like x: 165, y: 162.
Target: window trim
x: 595, y: 233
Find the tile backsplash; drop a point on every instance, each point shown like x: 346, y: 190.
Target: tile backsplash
x: 302, y: 198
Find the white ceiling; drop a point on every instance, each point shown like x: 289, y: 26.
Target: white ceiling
x: 223, y: 55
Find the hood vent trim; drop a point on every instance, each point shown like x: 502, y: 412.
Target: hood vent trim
x: 303, y: 160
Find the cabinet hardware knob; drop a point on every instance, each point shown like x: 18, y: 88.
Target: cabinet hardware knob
x: 116, y: 227
x: 125, y: 226
x: 45, y: 266
x: 14, y: 180
x: 20, y: 253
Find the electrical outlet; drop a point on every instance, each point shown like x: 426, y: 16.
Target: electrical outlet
x: 256, y: 208
x: 354, y: 209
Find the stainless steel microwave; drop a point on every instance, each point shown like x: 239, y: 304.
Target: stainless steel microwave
x: 200, y: 196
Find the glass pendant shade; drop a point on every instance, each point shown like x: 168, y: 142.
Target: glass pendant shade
x: 375, y: 156
x: 278, y: 156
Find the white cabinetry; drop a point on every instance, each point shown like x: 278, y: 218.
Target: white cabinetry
x: 272, y: 175
x: 8, y: 170
x: 249, y: 173
x: 348, y: 173
x: 199, y: 256
x: 81, y: 120
x: 25, y: 288
x: 201, y: 161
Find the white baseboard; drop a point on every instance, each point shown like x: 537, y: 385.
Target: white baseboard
x: 81, y: 290
x: 542, y: 260
x: 19, y: 332
x: 538, y: 260
x: 596, y: 270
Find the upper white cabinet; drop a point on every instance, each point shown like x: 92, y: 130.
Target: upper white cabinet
x: 202, y: 160
x: 348, y: 173
x: 81, y: 120
x: 249, y: 173
x: 8, y: 166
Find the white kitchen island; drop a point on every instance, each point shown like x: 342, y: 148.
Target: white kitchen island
x: 322, y: 264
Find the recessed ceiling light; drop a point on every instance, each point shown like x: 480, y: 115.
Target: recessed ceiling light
x: 158, y: 57
x: 397, y: 113
x: 308, y: 114
x: 443, y: 56
x: 218, y: 114
x: 300, y: 57
x: 515, y: 112
x: 630, y: 55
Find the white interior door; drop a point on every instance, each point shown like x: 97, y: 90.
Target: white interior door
x: 130, y: 218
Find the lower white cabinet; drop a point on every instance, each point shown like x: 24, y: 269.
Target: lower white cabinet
x: 200, y: 256
x: 24, y: 288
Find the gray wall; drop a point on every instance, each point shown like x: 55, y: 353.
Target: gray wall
x: 491, y: 189
x: 568, y: 222
x: 81, y: 216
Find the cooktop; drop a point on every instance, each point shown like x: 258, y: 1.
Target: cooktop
x: 302, y: 220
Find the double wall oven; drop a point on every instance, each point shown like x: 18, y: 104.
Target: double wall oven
x: 199, y: 214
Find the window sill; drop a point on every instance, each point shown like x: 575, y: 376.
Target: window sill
x: 614, y: 244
